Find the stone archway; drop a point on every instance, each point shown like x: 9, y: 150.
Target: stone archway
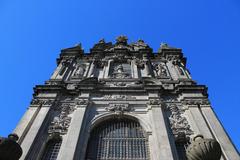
x: 118, y: 138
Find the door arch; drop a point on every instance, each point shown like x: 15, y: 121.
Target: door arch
x: 116, y: 139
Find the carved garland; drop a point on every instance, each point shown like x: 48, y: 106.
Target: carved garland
x: 62, y: 121
x: 178, y: 122
x: 118, y: 108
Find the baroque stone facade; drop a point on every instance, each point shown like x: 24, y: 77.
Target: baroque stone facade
x: 147, y: 100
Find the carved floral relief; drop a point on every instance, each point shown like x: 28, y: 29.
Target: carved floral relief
x: 118, y: 108
x: 178, y: 122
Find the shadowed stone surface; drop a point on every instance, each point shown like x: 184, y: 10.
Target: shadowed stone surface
x: 9, y: 148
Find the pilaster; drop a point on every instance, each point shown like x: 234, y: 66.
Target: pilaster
x: 25, y: 123
x: 228, y: 150
x: 33, y: 131
x: 160, y: 134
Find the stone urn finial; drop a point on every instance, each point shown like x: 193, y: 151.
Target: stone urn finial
x: 9, y: 148
x: 122, y: 40
x: 13, y: 137
x: 203, y: 149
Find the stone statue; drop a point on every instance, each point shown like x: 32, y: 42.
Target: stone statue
x: 119, y: 69
x: 79, y: 71
x: 160, y: 69
x: 119, y: 72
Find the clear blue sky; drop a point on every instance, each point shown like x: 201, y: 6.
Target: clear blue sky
x: 33, y: 32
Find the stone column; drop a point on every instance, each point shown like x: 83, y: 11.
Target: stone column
x: 228, y: 150
x: 160, y: 135
x: 200, y: 122
x: 34, y: 129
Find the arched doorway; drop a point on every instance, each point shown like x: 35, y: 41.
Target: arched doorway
x: 116, y: 139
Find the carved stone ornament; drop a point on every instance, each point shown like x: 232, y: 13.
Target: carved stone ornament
x: 121, y: 39
x: 53, y: 82
x: 203, y: 149
x: 160, y: 70
x: 82, y: 102
x: 62, y: 121
x: 172, y: 58
x: 140, y: 44
x: 80, y: 70
x: 178, y: 122
x: 71, y: 86
x: 118, y: 108
x: 119, y: 84
x: 164, y: 45
x: 119, y: 97
x: 118, y: 72
x: 121, y: 43
x: 204, y: 101
x: 102, y: 45
x: 48, y: 102
x: 155, y: 102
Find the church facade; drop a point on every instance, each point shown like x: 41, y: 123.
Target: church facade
x: 122, y: 101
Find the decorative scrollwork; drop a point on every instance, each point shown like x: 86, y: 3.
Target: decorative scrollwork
x: 118, y: 108
x: 178, y: 122
x: 119, y: 97
x: 155, y: 102
x: 204, y: 101
x: 61, y: 122
x: 48, y: 102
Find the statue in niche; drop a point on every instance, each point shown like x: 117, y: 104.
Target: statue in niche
x: 79, y: 71
x: 180, y: 67
x: 161, y: 70
x: 119, y: 69
x: 119, y: 72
